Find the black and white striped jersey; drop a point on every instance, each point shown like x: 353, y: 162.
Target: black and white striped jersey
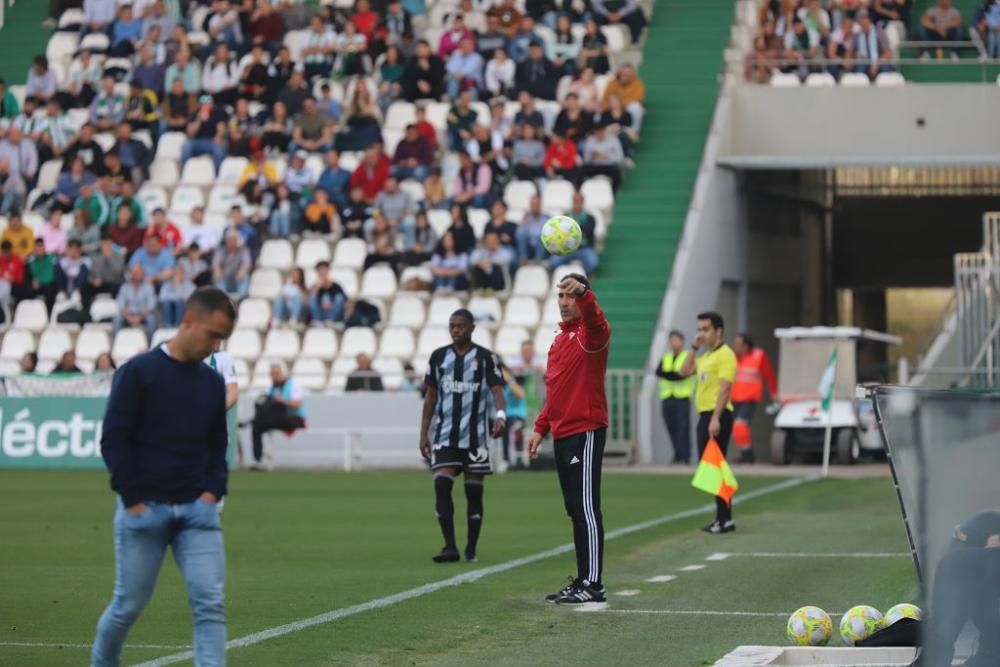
x: 463, y: 384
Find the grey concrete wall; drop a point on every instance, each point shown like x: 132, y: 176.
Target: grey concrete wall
x: 917, y: 124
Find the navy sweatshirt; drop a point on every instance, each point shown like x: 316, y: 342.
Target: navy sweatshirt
x: 165, y: 433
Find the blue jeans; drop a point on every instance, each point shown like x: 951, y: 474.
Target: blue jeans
x: 233, y: 286
x: 419, y: 172
x: 286, y: 308
x: 195, y: 147
x: 171, y: 312
x: 529, y: 243
x: 281, y: 222
x: 194, y: 533
x: 330, y: 311
x: 586, y: 256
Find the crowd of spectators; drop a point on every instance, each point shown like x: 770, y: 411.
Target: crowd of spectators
x: 223, y: 73
x: 839, y: 36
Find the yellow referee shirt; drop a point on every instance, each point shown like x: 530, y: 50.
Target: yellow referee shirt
x: 719, y: 364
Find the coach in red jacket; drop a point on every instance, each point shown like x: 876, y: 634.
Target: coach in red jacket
x: 576, y: 413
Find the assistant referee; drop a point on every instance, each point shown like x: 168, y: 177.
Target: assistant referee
x: 576, y: 413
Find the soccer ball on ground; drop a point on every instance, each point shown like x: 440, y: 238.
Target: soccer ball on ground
x: 561, y: 235
x: 809, y: 626
x: 859, y: 623
x: 901, y: 611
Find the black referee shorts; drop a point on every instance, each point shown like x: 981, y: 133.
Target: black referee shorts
x: 477, y: 462
x: 578, y: 460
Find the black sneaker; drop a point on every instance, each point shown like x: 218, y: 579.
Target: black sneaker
x: 583, y: 592
x: 471, y: 557
x: 447, y: 555
x: 552, y: 597
x: 717, y: 528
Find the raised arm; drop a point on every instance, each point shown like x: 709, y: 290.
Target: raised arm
x: 596, y: 330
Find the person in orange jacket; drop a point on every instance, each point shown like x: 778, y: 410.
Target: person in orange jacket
x: 753, y: 371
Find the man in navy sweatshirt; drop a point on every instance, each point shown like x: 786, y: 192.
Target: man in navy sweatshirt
x: 164, y: 443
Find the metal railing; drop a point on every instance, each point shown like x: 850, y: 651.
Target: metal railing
x: 823, y: 64
x: 977, y: 307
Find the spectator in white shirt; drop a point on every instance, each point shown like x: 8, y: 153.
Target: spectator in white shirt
x: 21, y: 155
x: 801, y: 47
x: 224, y: 25
x: 871, y: 48
x: 205, y: 236
x: 840, y: 47
x: 500, y: 73
x: 319, y: 48
x: 604, y: 156
x: 221, y: 76
x: 84, y: 79
x: 99, y: 14
x: 41, y: 84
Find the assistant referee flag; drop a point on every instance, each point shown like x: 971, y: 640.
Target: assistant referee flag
x: 714, y: 475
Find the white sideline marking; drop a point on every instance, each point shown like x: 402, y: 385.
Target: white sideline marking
x: 702, y: 612
x: 467, y: 577
x: 71, y: 645
x: 661, y: 579
x: 691, y: 568
x: 805, y: 554
x: 627, y: 593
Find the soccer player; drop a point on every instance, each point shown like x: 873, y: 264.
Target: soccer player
x: 576, y: 413
x: 716, y: 370
x: 458, y: 377
x: 164, y: 443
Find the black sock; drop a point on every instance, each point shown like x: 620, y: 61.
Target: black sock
x: 445, y: 508
x: 723, y: 511
x: 474, y: 498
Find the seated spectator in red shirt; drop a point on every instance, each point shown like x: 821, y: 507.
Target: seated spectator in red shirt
x: 562, y: 160
x: 413, y: 156
x: 266, y: 27
x: 125, y: 233
x: 452, y: 39
x: 168, y: 233
x: 365, y: 20
x: 424, y: 127
x: 472, y: 183
x: 11, y: 277
x: 371, y: 174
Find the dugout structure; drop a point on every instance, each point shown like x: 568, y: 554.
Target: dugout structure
x: 944, y: 451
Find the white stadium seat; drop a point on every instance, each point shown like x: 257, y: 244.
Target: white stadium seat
x: 350, y: 254
x: 282, y: 344
x: 517, y: 193
x: 71, y: 18
x: 407, y: 311
x: 347, y: 279
x: 508, y: 341
x: 399, y: 115
x: 396, y: 342
x: 170, y: 146
x: 97, y: 42
x: 550, y: 312
x: 478, y: 219
x: 785, y: 80
x: 92, y: 343
x: 48, y: 175
x: 618, y: 37
x: 265, y: 284
x: 597, y: 193
x: 441, y: 309
x: 255, y: 314
x: 855, y: 80
x: 260, y: 379
x: 431, y: 338
x: 244, y: 344
x: 31, y: 315
x: 128, y: 343
x: 391, y: 369
x: 275, y: 254
x: 413, y: 188
x: 439, y: 221
x: 320, y: 343
x: 522, y: 311
x: 543, y: 339
x: 378, y: 282
x: 231, y: 169
x: 103, y: 309
x: 16, y: 343
x: 531, y: 281
x: 820, y: 80
x: 162, y: 335
x: 561, y: 272
x: 557, y: 196
x: 310, y: 373
x: 164, y: 173
x: 889, y: 79
x: 222, y: 198
x: 153, y: 197
x: 312, y: 251
x: 356, y: 340
x: 53, y: 343
x: 186, y: 198
x: 486, y: 310
x: 483, y: 336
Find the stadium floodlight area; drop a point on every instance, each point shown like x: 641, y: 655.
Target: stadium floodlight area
x: 944, y: 449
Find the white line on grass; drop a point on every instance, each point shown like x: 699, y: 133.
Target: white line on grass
x: 691, y: 568
x: 71, y: 645
x: 805, y: 554
x: 661, y: 579
x: 467, y: 577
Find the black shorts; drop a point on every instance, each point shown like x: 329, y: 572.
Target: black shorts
x: 477, y: 463
x: 743, y: 411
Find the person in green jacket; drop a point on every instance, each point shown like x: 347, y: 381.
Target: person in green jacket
x: 9, y: 107
x: 675, y: 398
x: 43, y: 267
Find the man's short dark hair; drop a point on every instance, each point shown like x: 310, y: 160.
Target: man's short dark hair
x: 74, y: 243
x: 578, y: 277
x: 747, y: 340
x: 465, y: 314
x: 714, y: 318
x: 676, y: 332
x: 210, y: 300
x: 322, y: 264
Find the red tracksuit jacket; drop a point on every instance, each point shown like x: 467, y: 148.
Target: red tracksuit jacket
x: 574, y: 378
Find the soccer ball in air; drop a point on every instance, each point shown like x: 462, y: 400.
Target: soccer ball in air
x: 860, y: 623
x: 561, y: 235
x: 901, y: 611
x: 809, y: 626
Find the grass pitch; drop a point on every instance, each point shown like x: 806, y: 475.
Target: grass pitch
x: 300, y: 544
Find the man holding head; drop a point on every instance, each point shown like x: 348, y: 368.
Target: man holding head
x: 164, y: 443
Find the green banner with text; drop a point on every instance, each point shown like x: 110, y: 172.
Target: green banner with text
x: 63, y: 432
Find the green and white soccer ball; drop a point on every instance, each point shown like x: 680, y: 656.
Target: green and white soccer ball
x: 561, y: 235
x: 901, y: 611
x: 859, y: 623
x: 809, y: 626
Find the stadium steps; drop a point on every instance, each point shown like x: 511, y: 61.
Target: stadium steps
x: 22, y: 38
x: 682, y: 58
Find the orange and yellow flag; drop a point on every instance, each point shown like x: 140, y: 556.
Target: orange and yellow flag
x: 714, y: 475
